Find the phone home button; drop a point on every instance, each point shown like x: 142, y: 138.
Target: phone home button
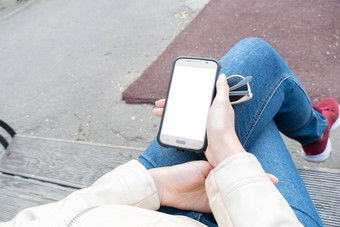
x: 180, y: 142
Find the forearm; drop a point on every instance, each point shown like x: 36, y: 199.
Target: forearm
x: 129, y: 184
x: 241, y: 194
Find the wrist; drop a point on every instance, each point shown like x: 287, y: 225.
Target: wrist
x: 234, y: 146
x: 229, y: 147
x: 159, y: 181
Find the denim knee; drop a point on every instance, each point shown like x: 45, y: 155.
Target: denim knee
x: 252, y: 42
x: 254, y: 57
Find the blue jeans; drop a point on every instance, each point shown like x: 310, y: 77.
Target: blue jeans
x: 279, y: 104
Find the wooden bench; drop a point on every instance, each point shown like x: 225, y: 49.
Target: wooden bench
x: 35, y: 171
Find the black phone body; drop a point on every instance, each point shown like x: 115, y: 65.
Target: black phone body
x: 190, y: 93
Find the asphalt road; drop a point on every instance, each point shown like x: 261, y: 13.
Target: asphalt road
x: 64, y: 65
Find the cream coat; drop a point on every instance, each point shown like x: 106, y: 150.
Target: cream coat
x: 239, y: 191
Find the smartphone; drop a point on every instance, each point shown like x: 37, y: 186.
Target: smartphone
x: 190, y: 93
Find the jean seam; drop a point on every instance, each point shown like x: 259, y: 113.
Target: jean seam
x: 311, y: 217
x: 297, y: 83
x: 300, y: 86
x: 303, y: 90
x: 262, y: 107
x: 306, y: 96
x: 148, y: 160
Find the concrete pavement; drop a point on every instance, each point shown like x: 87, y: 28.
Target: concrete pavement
x: 64, y: 65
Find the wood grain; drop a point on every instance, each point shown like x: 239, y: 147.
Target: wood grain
x: 55, y: 168
x: 324, y: 189
x: 17, y: 193
x: 62, y: 162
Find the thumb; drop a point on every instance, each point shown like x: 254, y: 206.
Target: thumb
x: 222, y: 88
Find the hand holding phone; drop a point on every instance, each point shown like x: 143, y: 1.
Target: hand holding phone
x: 223, y: 141
x: 190, y: 94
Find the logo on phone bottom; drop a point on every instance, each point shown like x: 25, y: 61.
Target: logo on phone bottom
x: 180, y: 142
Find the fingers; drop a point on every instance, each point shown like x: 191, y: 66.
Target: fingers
x: 160, y: 103
x: 273, y: 178
x: 158, y: 112
x: 222, y: 88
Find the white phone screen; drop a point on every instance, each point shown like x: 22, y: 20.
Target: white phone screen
x: 189, y: 100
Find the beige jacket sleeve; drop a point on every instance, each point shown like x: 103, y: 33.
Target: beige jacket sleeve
x: 128, y: 184
x: 241, y: 194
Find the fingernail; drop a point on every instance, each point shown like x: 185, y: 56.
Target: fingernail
x: 276, y: 179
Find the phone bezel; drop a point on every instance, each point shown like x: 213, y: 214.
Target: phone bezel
x: 204, y: 146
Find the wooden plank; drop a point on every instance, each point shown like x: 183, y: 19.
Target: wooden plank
x: 17, y: 193
x: 67, y: 163
x: 78, y: 165
x: 324, y: 189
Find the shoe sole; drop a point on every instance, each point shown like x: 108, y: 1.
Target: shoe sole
x: 325, y: 154
x: 319, y: 157
x: 336, y: 123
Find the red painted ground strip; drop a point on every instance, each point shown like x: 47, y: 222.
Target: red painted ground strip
x: 305, y: 33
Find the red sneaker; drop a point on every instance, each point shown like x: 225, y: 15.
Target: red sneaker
x: 320, y: 150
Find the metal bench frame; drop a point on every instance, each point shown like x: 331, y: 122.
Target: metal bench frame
x: 9, y: 130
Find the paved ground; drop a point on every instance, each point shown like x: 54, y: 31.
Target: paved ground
x: 308, y: 40
x: 64, y: 65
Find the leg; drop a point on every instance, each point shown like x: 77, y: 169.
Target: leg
x: 277, y: 94
x: 274, y: 157
x: 277, y: 97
